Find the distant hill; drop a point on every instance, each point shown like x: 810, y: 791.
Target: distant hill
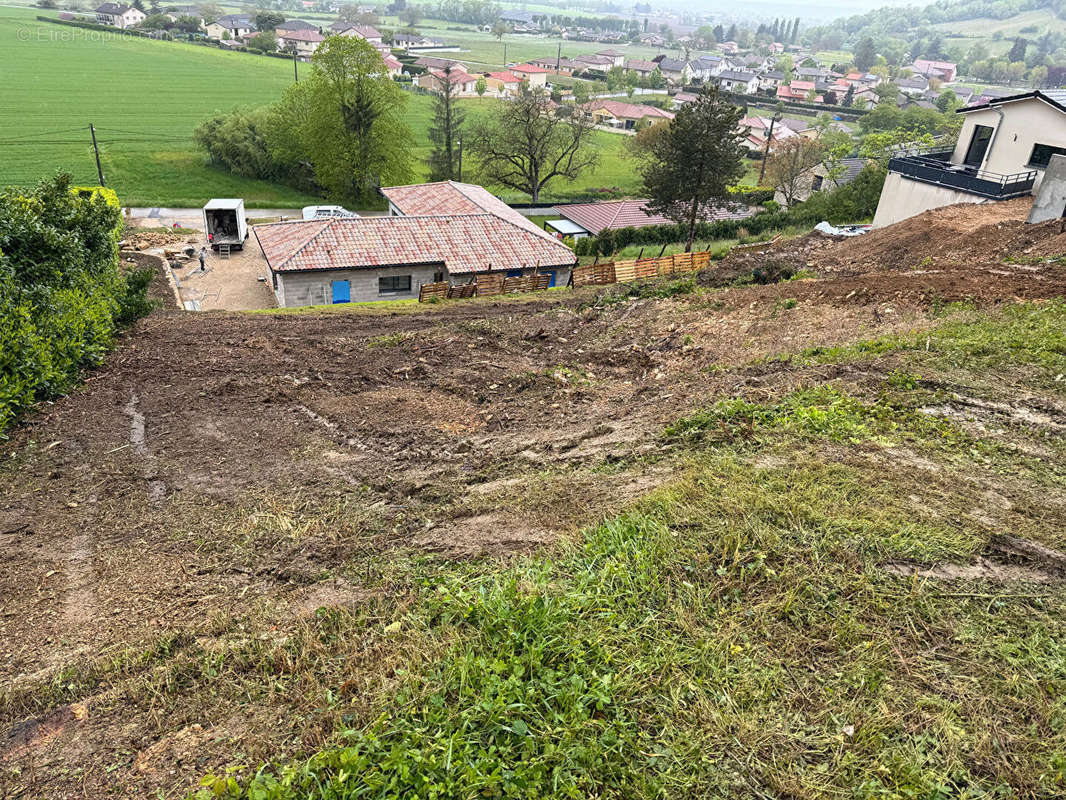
x: 952, y: 28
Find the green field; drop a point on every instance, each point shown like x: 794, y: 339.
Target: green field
x: 146, y: 100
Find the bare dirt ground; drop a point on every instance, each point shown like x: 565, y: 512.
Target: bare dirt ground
x: 224, y: 475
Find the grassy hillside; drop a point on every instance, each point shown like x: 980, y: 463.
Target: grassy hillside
x: 998, y: 34
x: 146, y: 98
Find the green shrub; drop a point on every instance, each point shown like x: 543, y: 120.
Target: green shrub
x: 62, y: 295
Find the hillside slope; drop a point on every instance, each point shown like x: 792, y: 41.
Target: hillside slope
x: 788, y: 540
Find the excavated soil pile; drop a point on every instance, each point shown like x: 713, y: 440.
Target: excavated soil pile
x: 957, y: 237
x: 769, y: 264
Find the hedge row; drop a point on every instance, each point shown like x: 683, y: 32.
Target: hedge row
x: 62, y: 295
x: 93, y: 26
x: 851, y: 203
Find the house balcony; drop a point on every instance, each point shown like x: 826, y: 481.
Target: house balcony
x: 936, y: 168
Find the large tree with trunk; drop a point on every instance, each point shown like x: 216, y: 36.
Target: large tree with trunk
x: 689, y: 169
x: 524, y: 145
x: 347, y: 119
x: 788, y: 167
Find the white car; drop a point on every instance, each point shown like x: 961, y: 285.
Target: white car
x: 324, y: 212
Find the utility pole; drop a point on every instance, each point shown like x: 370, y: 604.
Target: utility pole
x: 559, y: 57
x: 460, y: 178
x: 295, y: 69
x: 96, y: 150
x: 505, y: 54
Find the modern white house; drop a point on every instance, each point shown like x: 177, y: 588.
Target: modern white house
x: 1002, y: 151
x: 119, y: 16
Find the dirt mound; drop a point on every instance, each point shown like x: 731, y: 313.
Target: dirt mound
x: 960, y: 236
x: 767, y: 264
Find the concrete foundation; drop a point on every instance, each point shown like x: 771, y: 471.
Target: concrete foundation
x: 1050, y: 200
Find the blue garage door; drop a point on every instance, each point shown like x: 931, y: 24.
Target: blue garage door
x: 551, y: 280
x: 342, y: 292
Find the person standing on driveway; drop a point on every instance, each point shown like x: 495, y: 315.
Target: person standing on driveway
x: 203, y: 253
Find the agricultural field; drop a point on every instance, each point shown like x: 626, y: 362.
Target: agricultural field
x: 998, y: 34
x: 154, y: 95
x: 688, y: 537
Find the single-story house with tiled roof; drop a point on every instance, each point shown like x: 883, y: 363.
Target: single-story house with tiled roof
x: 296, y: 25
x: 436, y: 62
x: 556, y: 65
x: 465, y: 84
x: 502, y: 83
x: 594, y: 63
x: 617, y: 57
x: 303, y: 43
x: 640, y: 66
x: 354, y: 30
x: 537, y: 76
x: 119, y: 16
x: 616, y: 114
x: 435, y: 232
x: 592, y: 218
x: 796, y: 90
x: 233, y: 25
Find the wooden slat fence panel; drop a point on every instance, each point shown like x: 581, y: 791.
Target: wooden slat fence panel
x: 489, y: 284
x: 682, y: 262
x: 594, y: 275
x: 540, y: 282
x: 701, y: 260
x: 647, y: 268
x: 462, y: 291
x: 625, y: 270
x: 428, y: 290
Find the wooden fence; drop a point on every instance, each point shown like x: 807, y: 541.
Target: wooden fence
x: 634, y: 269
x: 489, y: 284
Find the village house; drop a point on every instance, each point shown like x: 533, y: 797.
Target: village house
x: 465, y: 84
x: 119, y: 16
x: 414, y: 43
x: 438, y: 63
x: 941, y: 70
x: 796, y: 91
x: 594, y: 63
x: 729, y: 47
x: 351, y: 29
x: 914, y: 85
x: 537, y: 77
x: 590, y: 219
x: 557, y: 65
x: 434, y: 232
x: 617, y: 57
x: 823, y: 178
x: 291, y: 25
x: 651, y: 40
x: 677, y: 72
x: 234, y: 26
x: 681, y: 98
x: 738, y: 82
x: 705, y: 68
x: 769, y: 81
x: 642, y: 68
x: 759, y: 133
x: 1002, y: 151
x: 624, y: 116
x: 302, y: 43
x: 502, y: 84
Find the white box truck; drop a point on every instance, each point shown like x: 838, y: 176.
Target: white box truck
x: 224, y: 223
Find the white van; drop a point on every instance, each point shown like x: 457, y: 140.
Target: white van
x: 325, y: 212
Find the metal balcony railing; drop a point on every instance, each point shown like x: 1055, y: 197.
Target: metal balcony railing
x: 935, y: 167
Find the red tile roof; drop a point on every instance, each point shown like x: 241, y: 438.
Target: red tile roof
x: 462, y: 243
x: 302, y: 36
x: 614, y: 214
x: 506, y: 77
x: 620, y: 110
x: 527, y: 68
x: 454, y: 198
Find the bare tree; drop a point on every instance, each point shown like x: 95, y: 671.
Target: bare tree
x: 788, y: 168
x: 525, y: 144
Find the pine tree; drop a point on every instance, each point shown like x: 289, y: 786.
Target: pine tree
x: 444, y: 132
x: 689, y: 169
x: 795, y: 31
x: 732, y: 35
x: 719, y: 33
x: 1017, y: 51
